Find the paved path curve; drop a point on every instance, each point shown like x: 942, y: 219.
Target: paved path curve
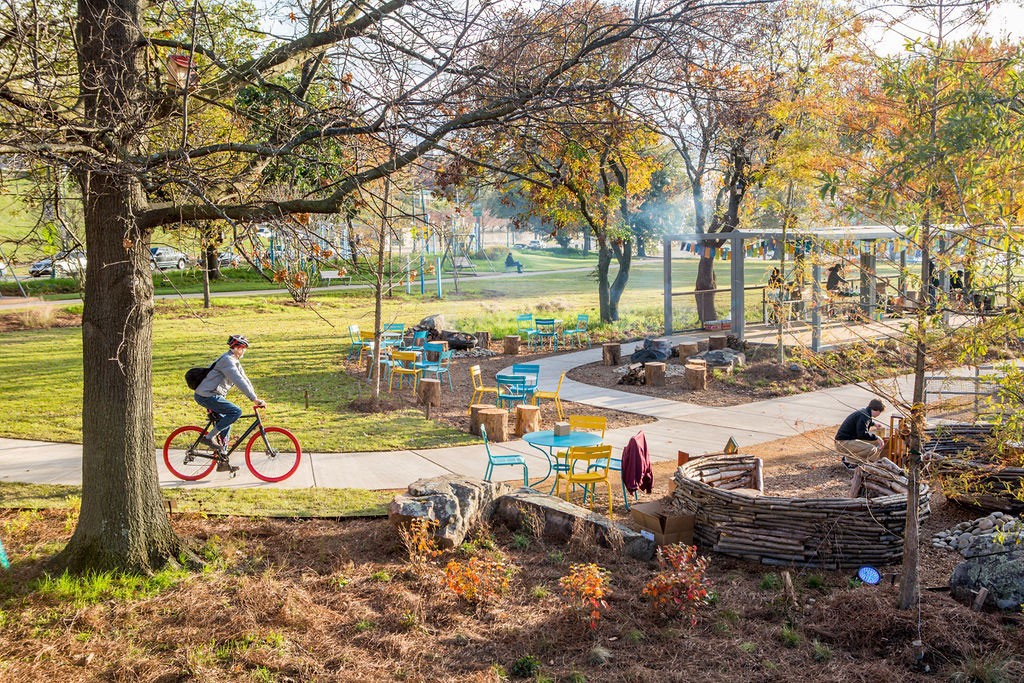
x: 675, y: 426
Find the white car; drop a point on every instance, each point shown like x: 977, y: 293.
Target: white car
x: 534, y: 244
x: 61, y: 264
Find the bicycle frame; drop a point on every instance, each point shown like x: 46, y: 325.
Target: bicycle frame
x: 211, y: 422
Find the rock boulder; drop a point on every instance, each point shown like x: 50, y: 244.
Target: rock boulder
x: 1000, y: 570
x: 455, y: 503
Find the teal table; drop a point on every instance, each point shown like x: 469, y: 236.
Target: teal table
x: 547, y: 443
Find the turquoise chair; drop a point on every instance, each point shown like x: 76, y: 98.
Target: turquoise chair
x: 525, y: 326
x: 419, y: 338
x: 614, y: 465
x: 547, y: 329
x: 531, y: 371
x: 429, y: 365
x: 442, y: 367
x: 581, y: 331
x: 502, y: 460
x: 511, y: 390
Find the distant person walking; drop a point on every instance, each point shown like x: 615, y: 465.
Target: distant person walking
x: 226, y: 372
x: 855, y: 437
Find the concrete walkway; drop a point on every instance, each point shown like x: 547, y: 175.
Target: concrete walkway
x: 674, y: 426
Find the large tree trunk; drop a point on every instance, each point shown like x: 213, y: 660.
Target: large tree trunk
x: 706, y: 281
x: 604, y: 298
x: 625, y: 258
x: 123, y: 524
x: 212, y: 259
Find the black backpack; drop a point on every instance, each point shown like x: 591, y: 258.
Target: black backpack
x: 195, y: 376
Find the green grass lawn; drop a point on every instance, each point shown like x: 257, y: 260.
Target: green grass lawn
x: 297, y: 351
x: 314, y: 502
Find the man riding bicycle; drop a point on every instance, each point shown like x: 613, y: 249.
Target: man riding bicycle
x: 225, y: 373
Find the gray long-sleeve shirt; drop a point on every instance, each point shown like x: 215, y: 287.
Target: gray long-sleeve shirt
x: 227, y: 372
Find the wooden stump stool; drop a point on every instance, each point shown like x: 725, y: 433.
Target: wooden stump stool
x: 654, y: 374
x: 495, y: 420
x: 429, y: 392
x: 718, y: 341
x: 687, y: 349
x: 512, y: 343
x: 696, y: 376
x: 527, y: 419
x: 611, y: 353
x: 434, y: 356
x: 474, y: 416
x: 483, y: 340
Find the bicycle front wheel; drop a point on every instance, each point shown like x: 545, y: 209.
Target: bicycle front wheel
x: 273, y: 455
x: 185, y: 456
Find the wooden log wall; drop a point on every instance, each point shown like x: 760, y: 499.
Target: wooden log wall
x: 825, y: 533
x: 957, y: 455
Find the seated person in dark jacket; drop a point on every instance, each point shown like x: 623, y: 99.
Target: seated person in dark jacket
x: 512, y: 263
x: 837, y: 283
x: 855, y: 437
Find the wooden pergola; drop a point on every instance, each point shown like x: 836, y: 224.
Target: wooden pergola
x: 867, y: 235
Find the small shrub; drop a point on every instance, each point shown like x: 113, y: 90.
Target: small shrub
x: 539, y: 592
x: 790, y: 636
x: 556, y: 557
x: 418, y: 538
x: 585, y: 588
x: 409, y: 621
x: 521, y: 541
x: 340, y: 581
x: 987, y: 667
x: 576, y: 677
x: 635, y: 636
x: 526, y: 666
x: 600, y: 655
x: 815, y: 582
x: 681, y: 587
x: 477, y: 580
x: 748, y: 647
x: 381, y: 575
x: 771, y: 582
x: 364, y: 625
x: 822, y: 653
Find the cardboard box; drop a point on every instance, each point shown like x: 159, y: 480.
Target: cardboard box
x: 561, y: 429
x: 664, y: 529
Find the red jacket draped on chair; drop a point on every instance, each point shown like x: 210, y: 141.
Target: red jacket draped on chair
x: 636, y: 465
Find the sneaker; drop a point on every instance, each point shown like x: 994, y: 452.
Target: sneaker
x: 213, y: 443
x: 849, y: 465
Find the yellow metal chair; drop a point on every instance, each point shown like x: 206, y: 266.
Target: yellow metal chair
x: 587, y: 457
x: 402, y: 365
x: 553, y: 396
x: 478, y: 386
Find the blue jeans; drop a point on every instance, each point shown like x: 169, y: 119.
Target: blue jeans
x: 227, y: 410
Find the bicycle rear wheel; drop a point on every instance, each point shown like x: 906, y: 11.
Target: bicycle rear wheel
x: 276, y: 458
x: 185, y: 456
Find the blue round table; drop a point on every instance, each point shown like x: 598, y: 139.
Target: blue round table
x: 547, y: 443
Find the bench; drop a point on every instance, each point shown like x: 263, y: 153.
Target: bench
x: 327, y: 275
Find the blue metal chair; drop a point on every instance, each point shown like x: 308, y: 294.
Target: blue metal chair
x: 615, y: 465
x: 502, y: 460
x: 531, y: 371
x: 546, y: 329
x: 393, y: 334
x: 525, y: 326
x: 429, y: 348
x: 511, y: 390
x: 442, y: 367
x: 581, y: 331
x: 419, y: 338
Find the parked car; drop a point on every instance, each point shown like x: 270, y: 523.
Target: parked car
x: 228, y: 259
x: 61, y: 264
x: 535, y: 244
x: 162, y: 258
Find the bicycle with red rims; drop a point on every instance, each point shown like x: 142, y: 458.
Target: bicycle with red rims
x: 271, y: 454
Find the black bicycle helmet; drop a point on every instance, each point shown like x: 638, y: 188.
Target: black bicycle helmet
x: 237, y: 340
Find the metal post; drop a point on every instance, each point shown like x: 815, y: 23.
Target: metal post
x: 423, y: 275
x: 736, y: 273
x: 816, y: 300
x: 666, y: 261
x: 944, y: 283
x: 440, y: 294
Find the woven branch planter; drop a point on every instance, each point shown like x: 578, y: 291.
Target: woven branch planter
x: 968, y: 478
x: 828, y: 533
